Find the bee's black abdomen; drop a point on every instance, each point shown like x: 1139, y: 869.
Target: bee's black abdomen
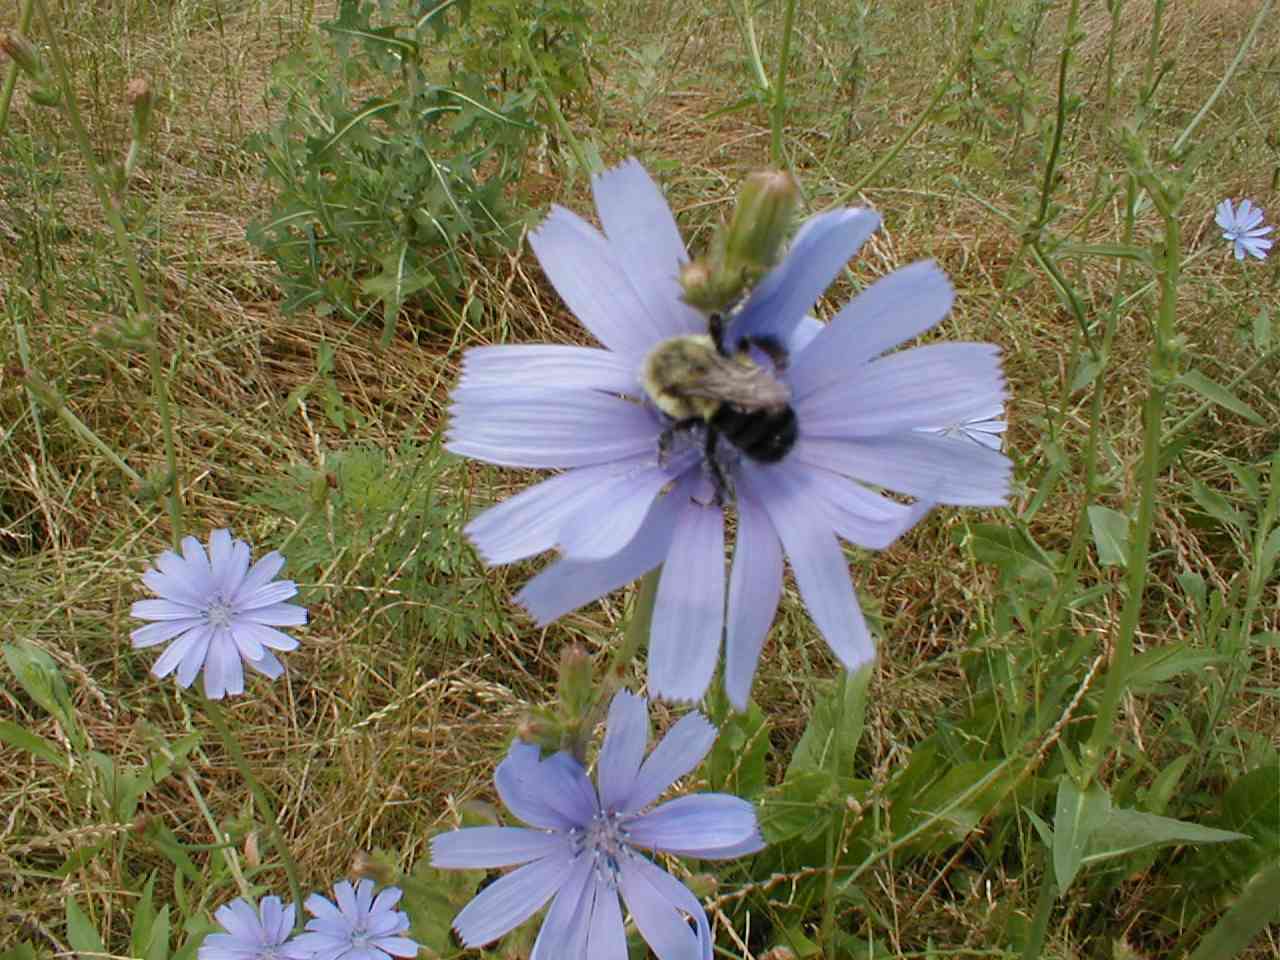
x: 764, y: 435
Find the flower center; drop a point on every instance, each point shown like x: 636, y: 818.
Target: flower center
x: 218, y: 612
x: 605, y: 839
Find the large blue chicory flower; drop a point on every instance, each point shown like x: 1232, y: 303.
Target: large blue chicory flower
x: 249, y: 932
x: 222, y: 613
x: 865, y: 419
x: 355, y: 925
x: 583, y: 844
x: 1243, y: 228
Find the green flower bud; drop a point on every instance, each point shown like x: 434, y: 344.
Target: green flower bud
x: 22, y: 52
x: 575, y: 682
x: 138, y: 96
x: 760, y: 222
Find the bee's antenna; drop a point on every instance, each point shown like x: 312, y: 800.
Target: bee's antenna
x: 715, y: 326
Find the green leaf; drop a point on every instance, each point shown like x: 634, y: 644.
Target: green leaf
x: 1124, y: 831
x: 835, y: 727
x: 737, y: 761
x: 1014, y: 553
x: 1078, y: 814
x: 1262, y: 330
x: 80, y: 932
x: 1153, y: 667
x: 22, y: 738
x: 40, y: 678
x: 1256, y: 907
x: 1110, y: 535
x: 20, y: 951
x: 1216, y: 505
x: 1217, y: 393
x: 1270, y: 551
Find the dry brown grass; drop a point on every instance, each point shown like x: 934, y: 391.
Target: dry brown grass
x: 368, y: 746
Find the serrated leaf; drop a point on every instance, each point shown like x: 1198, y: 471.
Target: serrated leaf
x: 36, y: 745
x: 80, y: 932
x: 1110, y: 535
x: 831, y: 737
x: 1216, y: 393
x: 1078, y: 815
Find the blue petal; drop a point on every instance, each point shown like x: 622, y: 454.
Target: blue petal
x: 921, y: 387
x: 154, y: 633
x: 551, y: 794
x: 701, y: 825
x: 511, y: 900
x: 606, y: 936
x: 855, y: 513
x: 533, y: 427
x: 676, y: 754
x: 644, y: 239
x: 569, y: 584
x: 528, y: 523
x: 891, y: 311
x: 819, y: 565
x: 688, y: 612
x: 609, y: 517
x: 564, y: 929
x: 656, y: 907
x: 475, y: 848
x: 259, y: 575
x: 626, y: 736
x: 755, y: 587
x: 943, y: 469
x: 586, y: 273
x: 780, y: 301
x: 546, y: 365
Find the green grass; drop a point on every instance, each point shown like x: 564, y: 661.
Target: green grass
x: 416, y: 665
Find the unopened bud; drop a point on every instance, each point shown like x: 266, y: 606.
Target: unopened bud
x: 138, y: 96
x: 252, y: 851
x: 703, y: 885
x: 760, y: 222
x: 22, y: 52
x: 537, y: 727
x: 575, y: 681
x: 375, y: 867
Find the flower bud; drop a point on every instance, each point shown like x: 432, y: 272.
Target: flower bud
x: 374, y: 866
x: 760, y: 222
x: 22, y: 52
x: 138, y: 95
x: 575, y: 681
x: 537, y: 727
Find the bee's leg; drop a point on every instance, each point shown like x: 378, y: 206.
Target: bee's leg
x: 668, y: 437
x: 773, y: 350
x: 719, y: 479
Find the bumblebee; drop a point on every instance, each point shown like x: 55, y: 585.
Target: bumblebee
x: 698, y: 384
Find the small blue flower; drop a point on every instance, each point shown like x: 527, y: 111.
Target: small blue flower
x: 251, y: 933
x: 1242, y: 227
x: 357, y: 927
x: 869, y: 418
x: 583, y: 844
x: 221, y: 612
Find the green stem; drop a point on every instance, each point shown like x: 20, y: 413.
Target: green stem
x: 111, y: 210
x: 263, y: 802
x: 11, y: 75
x: 1163, y: 370
x: 228, y: 852
x: 1060, y: 120
x: 553, y: 105
x: 747, y: 25
x: 780, y: 86
x: 38, y: 388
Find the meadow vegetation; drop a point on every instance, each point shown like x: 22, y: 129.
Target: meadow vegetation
x: 332, y: 205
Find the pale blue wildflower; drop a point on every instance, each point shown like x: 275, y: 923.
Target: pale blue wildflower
x: 250, y: 933
x: 359, y: 926
x: 986, y: 428
x: 1242, y: 226
x: 222, y: 613
x: 619, y: 510
x: 583, y: 844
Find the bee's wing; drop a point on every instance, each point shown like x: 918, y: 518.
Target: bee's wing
x: 746, y: 387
